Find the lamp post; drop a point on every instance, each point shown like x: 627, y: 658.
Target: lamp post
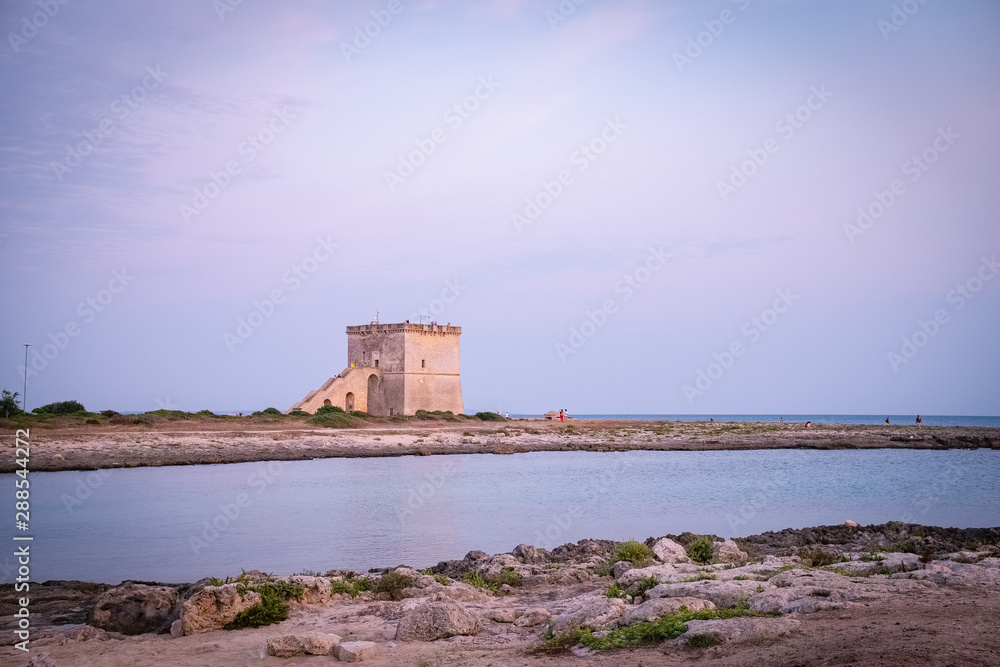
x: 24, y: 395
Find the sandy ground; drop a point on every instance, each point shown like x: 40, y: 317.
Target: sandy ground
x: 217, y: 441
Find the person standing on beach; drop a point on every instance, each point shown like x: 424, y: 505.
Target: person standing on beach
x: 561, y: 416
x: 920, y: 422
x: 886, y: 421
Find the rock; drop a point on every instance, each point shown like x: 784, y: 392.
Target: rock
x: 740, y: 630
x: 668, y: 551
x: 320, y: 643
x: 41, y: 660
x: 177, y: 628
x: 891, y: 562
x: 634, y: 576
x: 315, y: 590
x: 851, y: 524
x: 728, y: 551
x: 423, y: 581
x: 533, y: 617
x: 356, y: 651
x: 799, y: 599
x: 496, y: 565
x: 135, y: 609
x: 529, y: 554
x: 505, y: 615
x: 621, y: 567
x: 723, y: 593
x: 461, y: 592
x: 475, y: 556
x: 651, y: 610
x: 284, y: 646
x: 214, y: 606
x: 436, y: 620
x: 589, y: 611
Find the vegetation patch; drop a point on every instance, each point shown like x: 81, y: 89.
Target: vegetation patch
x: 489, y: 417
x: 272, y: 608
x: 700, y: 549
x: 634, y: 552
x: 644, y: 633
x: 494, y: 581
x: 393, y: 583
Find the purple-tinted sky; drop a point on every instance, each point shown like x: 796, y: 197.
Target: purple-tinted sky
x: 695, y: 165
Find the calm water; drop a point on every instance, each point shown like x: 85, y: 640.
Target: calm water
x: 156, y: 523
x: 929, y: 420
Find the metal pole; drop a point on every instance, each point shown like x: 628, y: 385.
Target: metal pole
x: 24, y: 396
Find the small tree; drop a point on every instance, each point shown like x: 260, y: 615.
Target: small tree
x: 8, y: 404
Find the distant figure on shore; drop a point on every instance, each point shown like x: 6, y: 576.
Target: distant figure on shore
x: 808, y: 425
x: 711, y: 419
x: 562, y: 415
x: 507, y: 415
x: 781, y: 420
x: 920, y: 422
x: 886, y: 421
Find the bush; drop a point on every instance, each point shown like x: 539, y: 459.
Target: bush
x: 109, y: 413
x: 700, y: 550
x: 360, y: 414
x: 634, y: 552
x: 393, y: 583
x: 206, y: 413
x: 8, y: 404
x: 644, y: 585
x: 330, y: 409
x: 489, y: 417
x: 131, y: 420
x: 494, y: 581
x: 332, y: 419
x: 615, y: 591
x: 272, y: 411
x: 272, y: 607
x: 817, y: 557
x: 61, y: 408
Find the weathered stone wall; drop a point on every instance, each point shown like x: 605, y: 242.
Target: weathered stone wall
x: 398, y: 369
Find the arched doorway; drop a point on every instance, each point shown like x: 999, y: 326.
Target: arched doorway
x: 349, y: 401
x: 327, y: 402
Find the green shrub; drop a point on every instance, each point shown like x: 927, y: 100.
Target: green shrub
x: 615, y: 591
x: 272, y: 608
x: 8, y: 404
x: 489, y: 417
x: 131, y: 420
x: 267, y: 411
x: 109, y: 413
x: 360, y: 414
x: 330, y: 409
x: 494, y: 581
x: 61, y: 408
x: 818, y: 557
x: 634, y: 552
x: 393, y: 583
x: 206, y: 413
x: 332, y: 419
x: 640, y: 587
x: 699, y: 640
x: 700, y: 550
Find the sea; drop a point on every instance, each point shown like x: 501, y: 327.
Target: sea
x: 928, y: 420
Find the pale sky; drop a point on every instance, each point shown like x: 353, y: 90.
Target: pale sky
x: 168, y: 168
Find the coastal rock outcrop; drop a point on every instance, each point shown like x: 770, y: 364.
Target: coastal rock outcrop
x: 668, y: 551
x: 436, y: 620
x: 533, y: 617
x: 635, y: 575
x: 592, y: 611
x: 723, y: 594
x: 135, y: 609
x: 356, y: 651
x: 315, y: 590
x: 728, y: 551
x: 651, y: 610
x: 312, y: 643
x: 213, y: 607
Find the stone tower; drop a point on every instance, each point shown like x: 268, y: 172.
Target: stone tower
x: 395, y: 369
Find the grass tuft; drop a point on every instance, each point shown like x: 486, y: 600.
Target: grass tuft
x: 634, y: 552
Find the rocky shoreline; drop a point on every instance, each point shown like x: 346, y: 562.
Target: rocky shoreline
x: 211, y: 441
x: 888, y: 594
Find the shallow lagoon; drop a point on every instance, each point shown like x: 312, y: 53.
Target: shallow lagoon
x: 183, y: 523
